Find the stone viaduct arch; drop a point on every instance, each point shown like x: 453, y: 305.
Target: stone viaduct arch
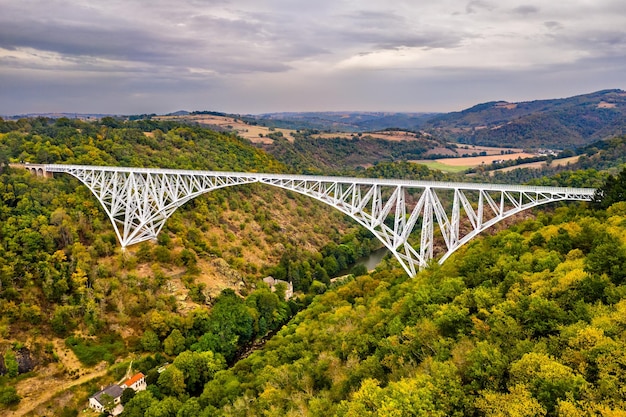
x: 406, y: 216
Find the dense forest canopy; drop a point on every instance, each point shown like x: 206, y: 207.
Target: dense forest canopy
x: 526, y: 321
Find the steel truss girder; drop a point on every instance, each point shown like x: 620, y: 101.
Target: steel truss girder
x: 139, y: 201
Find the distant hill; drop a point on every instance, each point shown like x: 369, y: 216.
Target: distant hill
x: 179, y: 113
x: 77, y: 116
x: 344, y: 121
x: 556, y: 123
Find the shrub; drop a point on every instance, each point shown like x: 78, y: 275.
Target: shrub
x: 8, y: 396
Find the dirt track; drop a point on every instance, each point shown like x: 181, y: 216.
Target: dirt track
x: 52, y: 381
x: 41, y: 393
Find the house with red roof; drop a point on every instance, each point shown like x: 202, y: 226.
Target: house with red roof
x: 108, y: 399
x: 137, y: 382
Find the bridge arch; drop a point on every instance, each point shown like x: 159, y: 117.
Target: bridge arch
x: 138, y: 201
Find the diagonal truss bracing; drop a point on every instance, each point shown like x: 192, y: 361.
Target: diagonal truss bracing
x: 413, y: 219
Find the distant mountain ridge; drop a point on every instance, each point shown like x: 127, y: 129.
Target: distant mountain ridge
x: 555, y: 123
x: 58, y: 115
x: 347, y: 121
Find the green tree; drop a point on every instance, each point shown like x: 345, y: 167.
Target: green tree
x: 150, y: 341
x: 407, y: 397
x: 127, y: 395
x: 172, y: 381
x: 548, y: 380
x: 608, y: 258
x: 485, y: 368
x: 359, y: 270
x: 168, y: 407
x: 107, y: 402
x: 198, y: 368
x: 613, y: 191
x: 191, y: 408
x: 174, y: 343
x: 63, y: 321
x: 231, y: 325
x: 517, y: 403
x: 138, y: 405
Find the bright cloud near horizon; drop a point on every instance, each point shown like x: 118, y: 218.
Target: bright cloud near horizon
x: 258, y: 56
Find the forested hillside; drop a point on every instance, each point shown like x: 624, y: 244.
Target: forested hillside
x: 349, y: 121
x: 555, y: 123
x: 316, y: 155
x: 65, y: 284
x: 528, y: 322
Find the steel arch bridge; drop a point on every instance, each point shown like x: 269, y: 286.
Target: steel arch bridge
x: 139, y: 201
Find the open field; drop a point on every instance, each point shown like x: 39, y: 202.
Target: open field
x: 258, y: 134
x: 466, y: 151
x: 541, y: 164
x: 490, y: 150
x: 255, y: 134
x: 474, y: 161
x: 395, y: 135
x: 461, y: 164
x: 432, y: 164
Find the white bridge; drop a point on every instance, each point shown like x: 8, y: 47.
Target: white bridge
x: 402, y: 214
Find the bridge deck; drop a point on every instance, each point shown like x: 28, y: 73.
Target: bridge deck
x: 360, y: 180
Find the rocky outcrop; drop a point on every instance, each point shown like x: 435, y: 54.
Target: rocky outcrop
x: 25, y: 360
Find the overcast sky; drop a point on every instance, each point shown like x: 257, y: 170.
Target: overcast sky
x: 257, y: 56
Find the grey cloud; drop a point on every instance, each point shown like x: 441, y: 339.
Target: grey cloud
x: 128, y: 44
x: 376, y: 18
x: 260, y: 39
x: 246, y: 55
x: 381, y: 40
x: 79, y: 42
x: 525, y: 10
x: 475, y: 5
x: 605, y: 43
x: 386, y: 30
x: 609, y: 38
x: 552, y: 25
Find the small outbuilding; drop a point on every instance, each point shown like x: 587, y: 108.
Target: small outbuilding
x: 272, y: 282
